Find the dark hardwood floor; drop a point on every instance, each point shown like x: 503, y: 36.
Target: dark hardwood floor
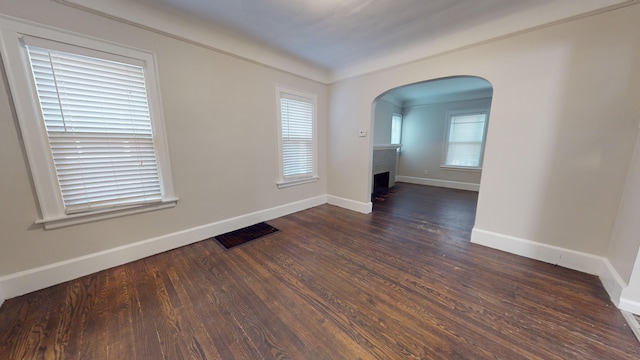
x: 401, y: 283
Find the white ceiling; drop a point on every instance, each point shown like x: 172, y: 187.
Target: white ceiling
x: 337, y: 34
x: 330, y: 40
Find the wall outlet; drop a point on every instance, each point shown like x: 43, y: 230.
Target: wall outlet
x: 362, y: 133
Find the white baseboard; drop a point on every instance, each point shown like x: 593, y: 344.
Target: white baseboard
x: 570, y: 259
x: 575, y: 260
x: 630, y: 306
x: 439, y: 183
x: 612, y: 282
x: 352, y: 205
x: 633, y: 323
x: 23, y: 282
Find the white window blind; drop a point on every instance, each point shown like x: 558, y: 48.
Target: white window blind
x: 297, y: 137
x: 466, y: 140
x: 99, y: 129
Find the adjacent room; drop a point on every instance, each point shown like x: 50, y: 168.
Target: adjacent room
x: 432, y: 133
x: 310, y: 179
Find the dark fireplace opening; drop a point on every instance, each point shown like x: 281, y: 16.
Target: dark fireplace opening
x: 380, y: 183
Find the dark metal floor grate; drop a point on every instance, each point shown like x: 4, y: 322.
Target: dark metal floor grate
x: 244, y: 235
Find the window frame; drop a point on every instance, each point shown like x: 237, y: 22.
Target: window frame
x: 445, y: 151
x: 282, y: 181
x: 34, y: 135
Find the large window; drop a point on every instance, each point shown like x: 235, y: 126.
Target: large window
x: 465, y: 138
x: 297, y: 136
x: 91, y: 121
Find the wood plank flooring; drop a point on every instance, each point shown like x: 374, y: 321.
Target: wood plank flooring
x: 401, y: 283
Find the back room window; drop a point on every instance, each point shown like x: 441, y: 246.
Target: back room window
x: 464, y: 145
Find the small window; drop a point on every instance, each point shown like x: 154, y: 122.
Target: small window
x: 297, y: 137
x: 92, y: 125
x: 464, y: 145
x: 396, y: 128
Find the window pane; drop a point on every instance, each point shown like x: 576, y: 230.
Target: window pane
x: 467, y: 128
x: 464, y: 154
x: 465, y: 141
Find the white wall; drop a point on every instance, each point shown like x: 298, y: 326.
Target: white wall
x: 625, y: 239
x: 220, y: 117
x: 624, y: 248
x: 560, y: 136
x: 424, y: 130
x: 382, y: 121
x: 630, y: 295
x: 624, y: 254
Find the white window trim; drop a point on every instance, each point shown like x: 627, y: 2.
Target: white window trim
x: 445, y: 149
x: 281, y: 182
x: 34, y: 133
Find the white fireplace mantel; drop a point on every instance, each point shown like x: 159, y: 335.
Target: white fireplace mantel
x: 386, y: 146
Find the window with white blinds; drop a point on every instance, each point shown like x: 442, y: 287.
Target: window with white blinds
x: 297, y: 136
x: 396, y: 129
x: 465, y: 140
x: 91, y: 121
x: 98, y: 124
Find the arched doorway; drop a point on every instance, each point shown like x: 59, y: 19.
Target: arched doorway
x: 431, y: 133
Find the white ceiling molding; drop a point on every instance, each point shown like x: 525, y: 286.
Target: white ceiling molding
x: 201, y: 33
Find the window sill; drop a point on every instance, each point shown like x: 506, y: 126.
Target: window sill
x: 82, y: 218
x: 461, y: 168
x: 286, y: 184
